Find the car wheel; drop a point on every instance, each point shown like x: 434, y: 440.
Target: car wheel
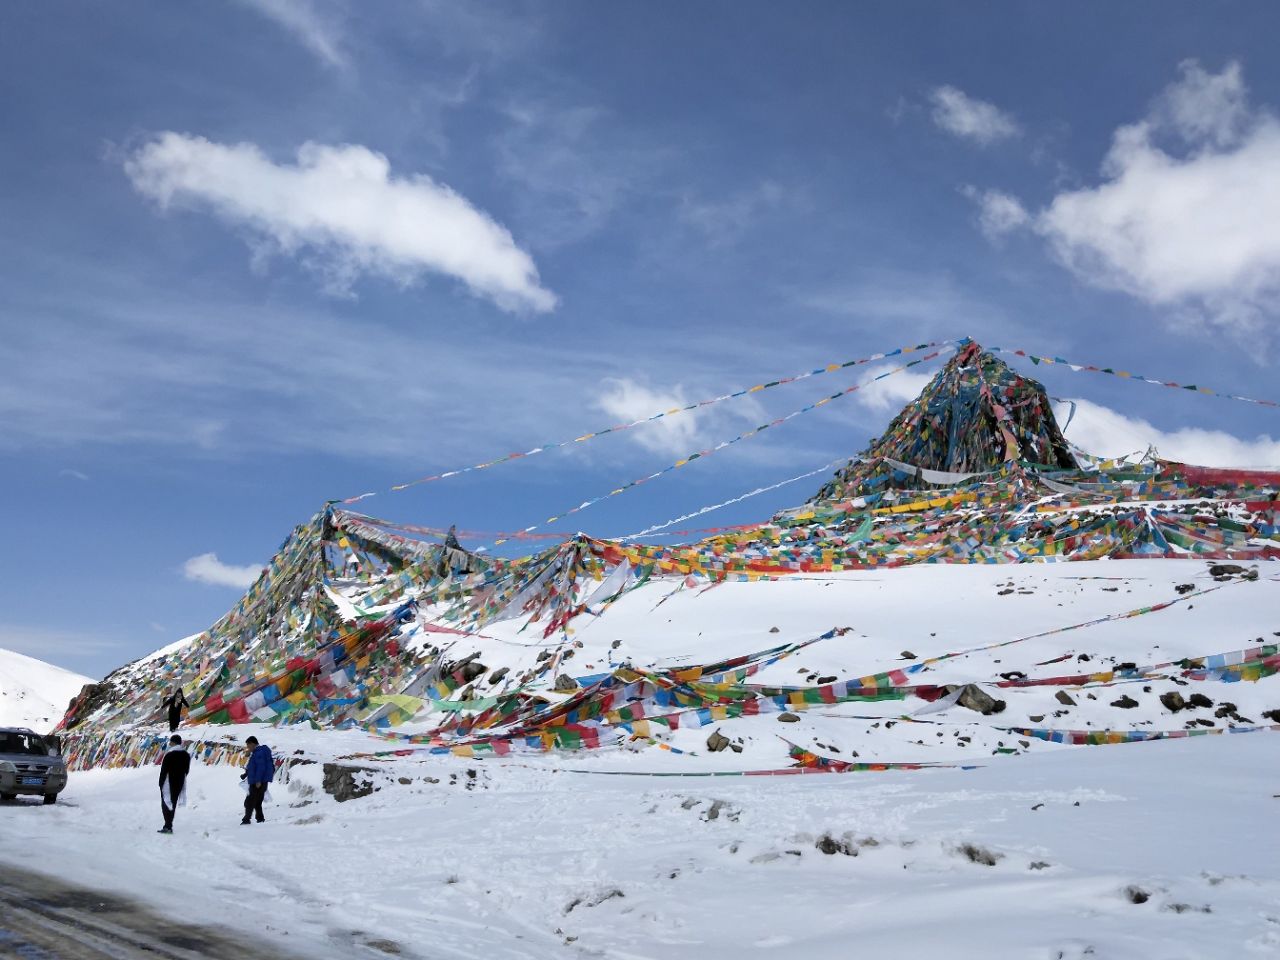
x: 8, y: 797
x: 50, y: 798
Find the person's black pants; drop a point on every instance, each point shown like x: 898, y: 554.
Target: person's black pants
x: 174, y: 720
x: 253, y: 802
x: 168, y: 815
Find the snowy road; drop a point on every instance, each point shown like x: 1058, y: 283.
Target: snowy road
x: 46, y: 919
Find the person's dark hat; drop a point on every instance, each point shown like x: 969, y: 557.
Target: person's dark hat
x: 175, y: 739
x: 251, y: 740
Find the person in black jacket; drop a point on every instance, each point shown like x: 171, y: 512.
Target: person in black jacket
x: 177, y: 700
x: 173, y: 780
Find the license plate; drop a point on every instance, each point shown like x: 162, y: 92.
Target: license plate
x: 33, y: 781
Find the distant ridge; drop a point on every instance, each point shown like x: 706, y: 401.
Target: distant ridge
x: 33, y: 693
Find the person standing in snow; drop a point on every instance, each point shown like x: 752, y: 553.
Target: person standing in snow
x: 173, y: 780
x: 177, y: 700
x: 258, y: 775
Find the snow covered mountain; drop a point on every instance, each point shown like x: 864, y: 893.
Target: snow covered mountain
x: 360, y: 622
x: 1035, y: 691
x: 33, y: 693
x: 1032, y: 830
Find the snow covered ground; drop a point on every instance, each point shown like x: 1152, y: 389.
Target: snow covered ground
x: 533, y: 863
x: 1161, y: 849
x: 924, y: 612
x: 33, y: 693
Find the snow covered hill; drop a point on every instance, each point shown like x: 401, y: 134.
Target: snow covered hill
x: 1011, y: 845
x: 1111, y: 637
x: 33, y: 693
x: 919, y: 712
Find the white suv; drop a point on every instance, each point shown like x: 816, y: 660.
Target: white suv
x: 30, y: 764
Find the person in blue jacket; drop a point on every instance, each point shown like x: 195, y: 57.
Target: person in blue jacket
x: 259, y: 773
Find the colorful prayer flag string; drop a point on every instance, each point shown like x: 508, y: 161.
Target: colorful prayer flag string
x: 725, y: 503
x: 1126, y: 375
x: 702, y: 454
x: 819, y: 371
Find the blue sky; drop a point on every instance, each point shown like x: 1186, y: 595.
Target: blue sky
x: 259, y: 254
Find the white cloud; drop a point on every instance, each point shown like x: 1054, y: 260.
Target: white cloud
x: 484, y: 33
x: 1105, y: 433
x: 628, y: 400
x: 73, y: 474
x: 893, y: 392
x: 890, y: 305
x: 998, y: 212
x: 1205, y: 107
x: 312, y: 25
x: 969, y: 118
x: 340, y: 207
x: 573, y: 167
x: 725, y: 220
x: 50, y: 644
x: 899, y: 299
x: 221, y: 375
x: 1185, y: 216
x: 207, y: 568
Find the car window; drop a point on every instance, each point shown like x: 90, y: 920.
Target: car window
x: 22, y: 743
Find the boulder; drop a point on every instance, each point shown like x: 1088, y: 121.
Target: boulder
x: 92, y: 696
x: 974, y: 698
x: 831, y: 846
x: 1125, y: 703
x: 788, y: 718
x: 1173, y: 700
x: 717, y: 742
x: 473, y: 670
x: 976, y: 854
x: 565, y: 684
x: 1225, y: 570
x: 498, y: 674
x: 346, y: 782
x: 1199, y: 700
x: 1064, y: 698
